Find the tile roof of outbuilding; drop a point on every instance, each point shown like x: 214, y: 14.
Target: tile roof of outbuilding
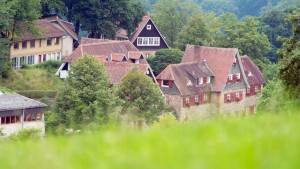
x: 252, y: 72
x: 17, y: 102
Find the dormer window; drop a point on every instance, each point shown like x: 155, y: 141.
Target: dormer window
x: 200, y: 81
x: 238, y: 76
x: 148, y: 27
x: 234, y: 60
x: 208, y: 79
x: 165, y: 83
x: 230, y: 77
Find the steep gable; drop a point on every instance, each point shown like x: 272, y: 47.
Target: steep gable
x: 252, y: 72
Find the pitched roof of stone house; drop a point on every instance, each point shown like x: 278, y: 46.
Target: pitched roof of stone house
x: 219, y: 61
x: 66, y: 26
x: 184, y: 76
x: 252, y: 72
x: 17, y: 102
x: 105, y: 48
x: 48, y: 30
x: 117, y: 70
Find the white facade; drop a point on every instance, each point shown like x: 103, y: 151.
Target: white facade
x: 67, y: 47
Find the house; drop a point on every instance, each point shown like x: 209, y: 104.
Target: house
x: 36, y: 49
x: 18, y: 112
x: 147, y: 37
x: 211, y: 80
x: 71, y: 37
x: 119, y: 57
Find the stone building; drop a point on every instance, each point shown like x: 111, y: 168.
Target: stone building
x: 211, y: 80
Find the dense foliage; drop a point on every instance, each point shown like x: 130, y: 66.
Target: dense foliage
x: 163, y: 58
x: 141, y: 96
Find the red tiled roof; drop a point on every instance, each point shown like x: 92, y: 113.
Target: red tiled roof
x: 135, y: 55
x: 185, y: 73
x: 48, y: 31
x: 117, y: 70
x: 105, y: 48
x: 122, y: 33
x: 119, y: 57
x: 219, y: 60
x: 93, y: 40
x: 252, y: 72
x: 66, y: 26
x: 140, y: 27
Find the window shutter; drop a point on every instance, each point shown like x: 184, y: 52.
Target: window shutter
x: 183, y: 102
x: 225, y: 98
x: 232, y: 97
x: 241, y: 95
x: 170, y: 83
x: 204, y: 80
x: 234, y: 78
x: 192, y: 101
x: 159, y: 82
x: 201, y: 99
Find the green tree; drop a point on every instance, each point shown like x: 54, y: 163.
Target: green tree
x: 171, y: 15
x: 195, y: 32
x: 290, y: 55
x: 163, y: 58
x: 85, y: 98
x: 138, y: 91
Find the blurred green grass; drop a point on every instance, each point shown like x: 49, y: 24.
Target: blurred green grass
x: 260, y: 142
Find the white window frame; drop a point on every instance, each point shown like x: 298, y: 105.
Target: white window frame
x: 208, y: 79
x: 187, y: 100
x: 238, y: 76
x: 148, y: 27
x: 248, y: 90
x: 256, y: 89
x: 230, y: 77
x: 30, y: 60
x: 139, y: 41
x: 237, y: 95
x: 205, y: 97
x: 228, y: 96
x: 162, y: 84
x: 200, y: 81
x: 148, y: 41
x: 196, y: 99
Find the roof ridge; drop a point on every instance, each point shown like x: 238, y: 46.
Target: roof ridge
x: 104, y: 42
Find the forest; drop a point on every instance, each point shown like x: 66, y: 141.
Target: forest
x: 85, y: 125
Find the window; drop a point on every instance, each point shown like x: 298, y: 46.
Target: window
x: 57, y: 41
x: 237, y: 95
x: 30, y: 60
x: 16, y: 45
x: 234, y: 60
x: 228, y: 96
x: 200, y: 81
x: 10, y: 119
x: 148, y: 41
x: 205, y: 97
x: 44, y: 57
x: 238, y: 76
x: 208, y: 80
x: 33, y: 117
x: 23, y: 60
x: 256, y: 89
x: 15, y: 62
x: 156, y: 41
x: 24, y: 44
x: 58, y: 56
x: 49, y: 42
x: 32, y: 43
x: 165, y: 83
x: 148, y: 27
x: 196, y: 99
x: 248, y: 90
x: 187, y: 100
x: 230, y: 77
x: 140, y: 41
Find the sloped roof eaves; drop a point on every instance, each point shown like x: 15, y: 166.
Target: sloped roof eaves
x: 249, y: 66
x: 17, y: 102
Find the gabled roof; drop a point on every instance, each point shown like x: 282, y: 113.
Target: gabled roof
x: 93, y: 40
x: 252, y: 72
x: 117, y: 70
x: 17, y: 102
x: 135, y: 55
x: 66, y: 26
x: 118, y: 57
x: 185, y: 73
x: 141, y: 26
x: 48, y: 30
x: 105, y: 48
x: 219, y: 61
x: 122, y: 33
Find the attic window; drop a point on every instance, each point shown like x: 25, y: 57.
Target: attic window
x: 248, y: 90
x: 165, y: 83
x: 230, y: 77
x: 200, y: 81
x: 208, y: 79
x: 238, y: 76
x: 148, y: 27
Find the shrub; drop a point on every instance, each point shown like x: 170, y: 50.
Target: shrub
x: 166, y: 120
x: 26, y: 134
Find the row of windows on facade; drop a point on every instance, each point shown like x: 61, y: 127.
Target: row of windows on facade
x: 17, y: 62
x: 17, y: 119
x: 196, y: 99
x: 32, y: 43
x: 233, y: 97
x: 148, y: 41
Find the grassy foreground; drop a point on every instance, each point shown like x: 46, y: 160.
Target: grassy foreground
x: 264, y: 142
